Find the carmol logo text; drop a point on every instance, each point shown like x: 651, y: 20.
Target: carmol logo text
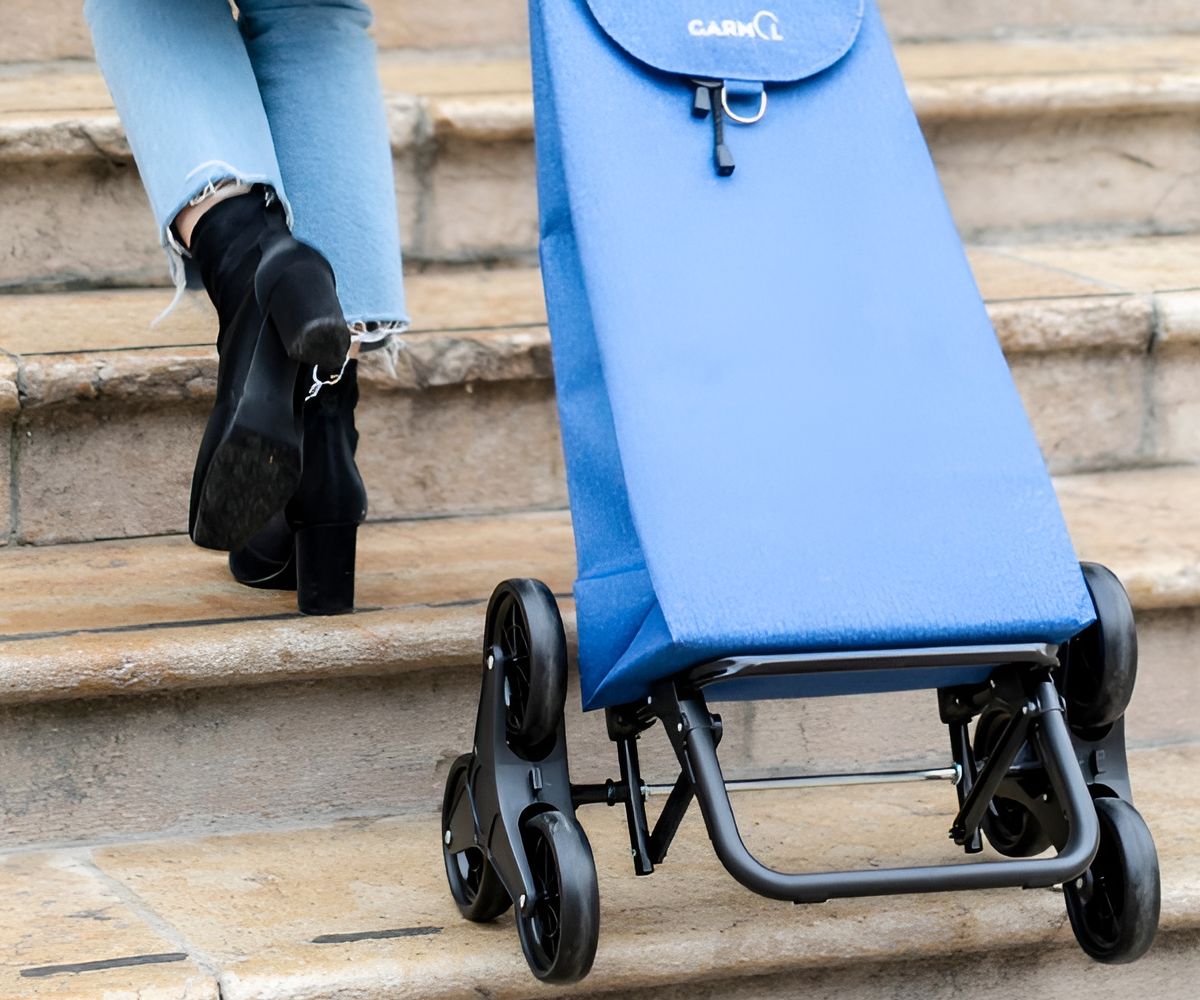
x: 764, y: 26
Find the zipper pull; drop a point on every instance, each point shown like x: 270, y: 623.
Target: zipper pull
x: 722, y: 156
x: 706, y: 101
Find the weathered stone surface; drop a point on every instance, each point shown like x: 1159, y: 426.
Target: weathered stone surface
x: 1101, y: 357
x: 920, y: 19
x: 1177, y: 404
x: 257, y: 904
x: 1150, y: 264
x: 59, y: 911
x: 462, y: 359
x: 193, y: 762
x: 10, y: 404
x: 1100, y: 323
x: 54, y: 29
x: 397, y: 684
x: 1003, y: 275
x: 36, y: 137
x: 482, y: 201
x: 472, y: 448
x: 452, y: 24
x: 1134, y: 62
x: 80, y: 221
x: 487, y: 303
x: 182, y: 375
x: 258, y: 910
x: 482, y: 118
x: 121, y: 466
x: 898, y: 731
x: 1144, y: 526
x: 190, y: 763
x: 156, y: 614
x: 6, y: 512
x: 1048, y: 136
x: 1057, y: 971
x: 1179, y: 319
x: 1164, y: 707
x: 160, y: 375
x: 43, y: 29
x: 1176, y: 377
x: 1089, y: 409
x: 121, y: 472
x: 1064, y: 173
x: 73, y: 613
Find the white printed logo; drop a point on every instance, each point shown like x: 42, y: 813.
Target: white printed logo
x: 764, y: 26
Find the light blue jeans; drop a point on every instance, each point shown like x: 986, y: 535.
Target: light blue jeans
x: 287, y: 95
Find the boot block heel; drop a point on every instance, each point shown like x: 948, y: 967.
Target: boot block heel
x: 325, y: 568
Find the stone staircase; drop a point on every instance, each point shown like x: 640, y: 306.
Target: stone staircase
x: 224, y: 799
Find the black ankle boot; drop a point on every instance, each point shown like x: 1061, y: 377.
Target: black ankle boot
x: 278, y: 310
x: 310, y: 546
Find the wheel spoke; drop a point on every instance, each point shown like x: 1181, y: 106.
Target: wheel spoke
x: 546, y: 917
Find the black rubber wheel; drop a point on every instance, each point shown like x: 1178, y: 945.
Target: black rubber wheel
x: 1102, y: 665
x: 525, y: 637
x: 560, y: 937
x: 1008, y: 825
x: 1114, y: 906
x: 474, y: 884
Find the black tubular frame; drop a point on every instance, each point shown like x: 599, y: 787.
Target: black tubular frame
x: 1021, y: 682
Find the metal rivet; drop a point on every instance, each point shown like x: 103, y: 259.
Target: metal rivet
x: 679, y: 727
x: 521, y: 901
x: 1079, y: 883
x: 449, y: 837
x: 491, y: 661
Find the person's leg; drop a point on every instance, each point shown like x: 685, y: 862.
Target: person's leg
x: 317, y: 74
x: 316, y: 70
x: 183, y: 85
x: 186, y: 92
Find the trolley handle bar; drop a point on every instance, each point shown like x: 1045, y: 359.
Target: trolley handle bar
x: 691, y: 734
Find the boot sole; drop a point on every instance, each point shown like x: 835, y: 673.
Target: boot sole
x: 250, y: 477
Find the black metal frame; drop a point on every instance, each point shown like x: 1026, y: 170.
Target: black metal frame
x: 1037, y: 761
x: 504, y: 788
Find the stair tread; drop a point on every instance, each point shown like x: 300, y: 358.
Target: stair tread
x: 489, y: 324
x: 466, y: 93
x: 152, y: 614
x: 123, y: 319
x: 46, y: 29
x: 271, y: 912
x: 127, y: 617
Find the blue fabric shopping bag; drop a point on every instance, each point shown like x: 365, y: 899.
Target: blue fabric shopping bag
x: 787, y: 421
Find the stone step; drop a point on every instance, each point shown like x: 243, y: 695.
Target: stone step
x: 1103, y: 338
x: 143, y: 691
x: 361, y: 909
x: 42, y: 30
x: 1043, y: 137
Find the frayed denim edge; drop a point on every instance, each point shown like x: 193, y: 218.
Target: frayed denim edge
x: 222, y: 175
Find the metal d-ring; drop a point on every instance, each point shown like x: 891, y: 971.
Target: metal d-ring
x: 741, y: 120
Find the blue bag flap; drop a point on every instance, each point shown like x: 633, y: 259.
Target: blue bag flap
x: 733, y: 39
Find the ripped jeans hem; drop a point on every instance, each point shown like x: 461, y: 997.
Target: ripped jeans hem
x: 221, y: 176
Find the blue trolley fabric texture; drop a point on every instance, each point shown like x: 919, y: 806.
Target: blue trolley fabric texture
x: 788, y: 424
